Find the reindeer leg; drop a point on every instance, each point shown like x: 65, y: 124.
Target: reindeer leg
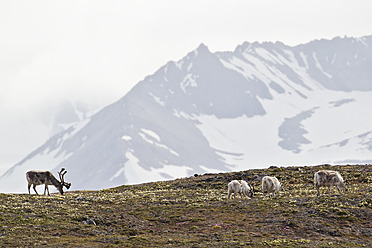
x: 46, y: 189
x: 339, y: 191
x: 317, y: 190
x: 34, y: 187
x: 29, y: 186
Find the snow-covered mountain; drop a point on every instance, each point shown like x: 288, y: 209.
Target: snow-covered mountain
x: 260, y: 105
x: 34, y: 125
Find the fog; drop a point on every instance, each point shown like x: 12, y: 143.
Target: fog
x: 54, y: 53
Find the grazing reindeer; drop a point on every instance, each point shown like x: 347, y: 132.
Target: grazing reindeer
x: 239, y: 187
x: 247, y: 190
x: 328, y: 178
x: 271, y: 185
x: 46, y: 177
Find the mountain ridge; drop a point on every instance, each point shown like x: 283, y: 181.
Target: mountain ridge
x: 175, y: 122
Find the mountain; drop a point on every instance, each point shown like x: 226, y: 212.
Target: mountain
x: 262, y: 104
x: 34, y: 125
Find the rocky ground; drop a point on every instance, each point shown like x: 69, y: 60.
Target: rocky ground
x: 194, y: 212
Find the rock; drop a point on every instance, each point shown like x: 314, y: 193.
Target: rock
x: 89, y: 222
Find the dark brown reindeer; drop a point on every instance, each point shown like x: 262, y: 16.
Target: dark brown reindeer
x: 47, y: 178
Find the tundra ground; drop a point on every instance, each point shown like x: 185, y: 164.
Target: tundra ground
x: 194, y: 212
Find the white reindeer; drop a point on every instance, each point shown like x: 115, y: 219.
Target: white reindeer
x: 247, y: 190
x: 270, y: 185
x: 328, y: 178
x: 239, y: 186
x: 47, y: 178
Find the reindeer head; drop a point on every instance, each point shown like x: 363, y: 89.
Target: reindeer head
x: 62, y: 178
x: 67, y: 185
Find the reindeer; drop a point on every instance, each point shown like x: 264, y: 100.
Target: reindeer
x: 328, y: 178
x: 239, y: 187
x: 46, y: 177
x: 271, y: 186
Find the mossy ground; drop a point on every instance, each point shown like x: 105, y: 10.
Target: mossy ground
x: 194, y: 212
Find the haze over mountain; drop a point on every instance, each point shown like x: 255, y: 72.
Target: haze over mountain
x: 260, y: 105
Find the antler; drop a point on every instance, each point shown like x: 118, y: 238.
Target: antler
x: 62, y: 174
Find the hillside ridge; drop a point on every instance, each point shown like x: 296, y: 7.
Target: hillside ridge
x: 194, y: 212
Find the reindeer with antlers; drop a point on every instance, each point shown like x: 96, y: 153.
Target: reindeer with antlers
x: 46, y: 177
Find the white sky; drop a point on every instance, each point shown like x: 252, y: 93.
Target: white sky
x: 95, y: 51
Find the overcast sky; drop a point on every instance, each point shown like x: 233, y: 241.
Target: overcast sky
x: 95, y: 51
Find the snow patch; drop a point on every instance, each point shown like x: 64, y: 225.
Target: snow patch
x: 189, y: 81
x: 151, y: 134
x: 319, y: 66
x: 135, y: 174
x: 182, y: 114
x: 335, y: 131
x: 304, y: 59
x: 157, y: 99
x: 152, y: 138
x: 126, y: 138
x: 117, y: 174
